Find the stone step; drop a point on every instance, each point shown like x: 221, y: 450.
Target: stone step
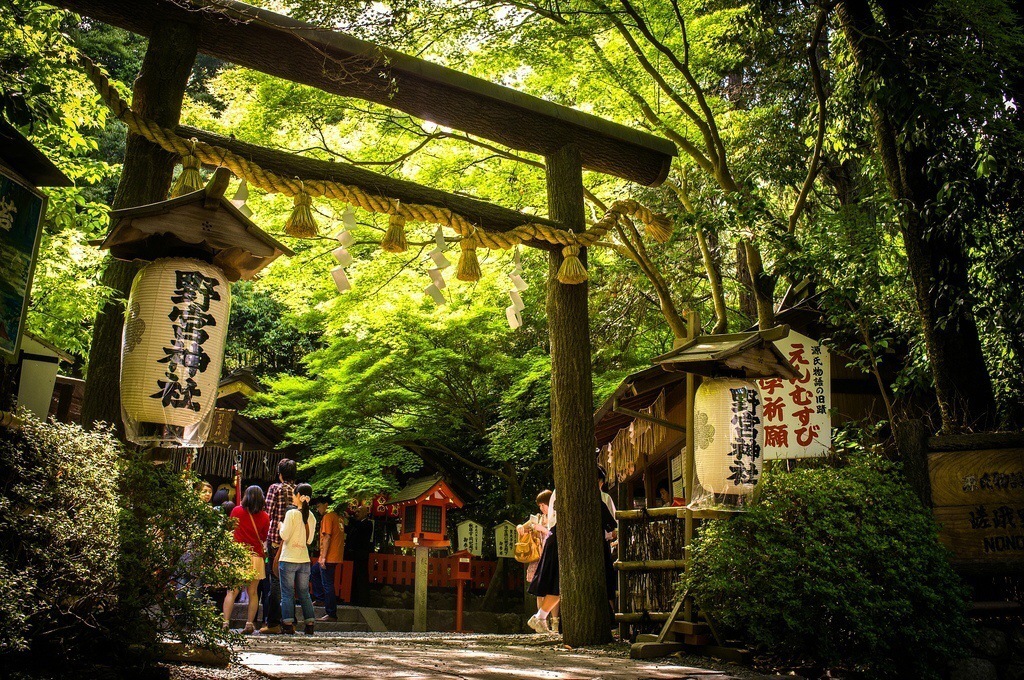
x: 349, y: 614
x: 321, y: 626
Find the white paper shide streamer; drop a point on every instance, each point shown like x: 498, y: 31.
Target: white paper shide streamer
x: 513, y: 313
x: 433, y: 291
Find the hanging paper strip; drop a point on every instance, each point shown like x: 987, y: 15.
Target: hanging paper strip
x: 348, y: 218
x: 341, y: 279
x: 342, y: 255
x: 435, y: 294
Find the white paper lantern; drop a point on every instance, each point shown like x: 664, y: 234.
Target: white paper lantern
x: 728, y: 436
x: 172, y: 350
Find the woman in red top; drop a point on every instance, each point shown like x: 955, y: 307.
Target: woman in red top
x: 251, y: 527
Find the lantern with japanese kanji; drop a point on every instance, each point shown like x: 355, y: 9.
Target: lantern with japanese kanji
x: 728, y: 436
x: 177, y: 317
x: 172, y: 350
x: 423, y: 505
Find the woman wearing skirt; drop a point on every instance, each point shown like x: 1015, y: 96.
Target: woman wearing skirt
x: 545, y: 580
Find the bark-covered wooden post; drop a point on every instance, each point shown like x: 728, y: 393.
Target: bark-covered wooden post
x: 145, y: 178
x: 584, y: 606
x: 419, y: 610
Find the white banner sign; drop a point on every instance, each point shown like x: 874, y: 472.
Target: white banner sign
x: 471, y: 537
x: 796, y: 412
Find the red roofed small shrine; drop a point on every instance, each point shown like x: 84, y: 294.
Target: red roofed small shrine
x: 424, y: 504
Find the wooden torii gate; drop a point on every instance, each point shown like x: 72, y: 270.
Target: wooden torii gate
x: 568, y: 140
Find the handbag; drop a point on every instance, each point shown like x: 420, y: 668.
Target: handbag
x: 528, y: 548
x: 275, y: 566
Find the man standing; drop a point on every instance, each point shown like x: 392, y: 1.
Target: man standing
x: 332, y: 553
x: 358, y: 546
x: 279, y: 498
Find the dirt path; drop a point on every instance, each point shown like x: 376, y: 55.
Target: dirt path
x: 440, y: 655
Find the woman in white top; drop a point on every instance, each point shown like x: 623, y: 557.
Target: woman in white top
x: 297, y: 532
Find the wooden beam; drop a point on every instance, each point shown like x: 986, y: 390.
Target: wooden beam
x: 485, y: 215
x: 340, y: 64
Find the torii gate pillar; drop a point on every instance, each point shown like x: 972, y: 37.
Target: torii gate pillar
x: 585, y: 619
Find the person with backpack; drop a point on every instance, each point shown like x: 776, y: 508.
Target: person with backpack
x: 251, y: 526
x: 297, y: 531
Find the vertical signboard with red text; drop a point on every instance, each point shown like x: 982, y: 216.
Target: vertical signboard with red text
x: 797, y: 423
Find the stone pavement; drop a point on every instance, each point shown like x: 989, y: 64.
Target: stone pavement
x: 447, y: 655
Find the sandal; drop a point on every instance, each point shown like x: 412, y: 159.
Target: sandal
x: 249, y: 629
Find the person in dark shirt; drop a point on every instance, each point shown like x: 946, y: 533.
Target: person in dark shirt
x: 358, y: 546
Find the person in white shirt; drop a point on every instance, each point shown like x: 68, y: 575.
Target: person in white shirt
x: 297, y: 531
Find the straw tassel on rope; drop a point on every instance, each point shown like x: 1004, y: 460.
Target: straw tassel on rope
x: 301, y: 223
x: 659, y: 228
x: 572, y: 270
x: 468, y: 268
x: 394, y: 238
x: 189, y: 179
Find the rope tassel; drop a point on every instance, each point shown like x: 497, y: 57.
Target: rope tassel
x: 394, y: 238
x: 572, y: 270
x: 468, y: 268
x: 301, y: 223
x: 659, y: 228
x: 189, y: 179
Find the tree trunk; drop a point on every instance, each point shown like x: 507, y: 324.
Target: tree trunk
x: 936, y: 255
x: 763, y: 286
x: 145, y: 178
x: 747, y: 305
x: 584, y: 606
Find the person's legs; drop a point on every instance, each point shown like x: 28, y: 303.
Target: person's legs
x: 330, y: 596
x: 302, y: 586
x: 254, y: 602
x: 273, y: 608
x: 229, y: 606
x: 287, y: 581
x: 316, y: 581
x: 302, y: 590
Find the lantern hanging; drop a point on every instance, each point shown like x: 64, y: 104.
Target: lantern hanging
x: 172, y: 350
x: 728, y: 436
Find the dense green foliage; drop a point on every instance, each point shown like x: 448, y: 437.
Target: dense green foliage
x: 84, y: 570
x: 837, y: 564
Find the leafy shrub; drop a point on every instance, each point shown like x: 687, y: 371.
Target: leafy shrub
x: 100, y: 551
x: 837, y: 564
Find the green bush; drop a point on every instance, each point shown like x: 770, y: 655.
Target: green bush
x: 839, y: 565
x: 100, y: 551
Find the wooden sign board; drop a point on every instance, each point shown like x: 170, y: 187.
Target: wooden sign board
x: 21, y: 217
x: 471, y: 537
x: 220, y: 430
x: 505, y: 539
x: 978, y: 499
x: 797, y: 423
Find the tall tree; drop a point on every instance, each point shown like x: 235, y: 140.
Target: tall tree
x: 914, y: 60
x: 145, y: 178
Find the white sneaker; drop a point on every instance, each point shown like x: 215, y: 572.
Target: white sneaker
x: 554, y: 625
x: 537, y: 625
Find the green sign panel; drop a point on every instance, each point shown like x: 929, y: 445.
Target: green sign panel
x: 21, y: 216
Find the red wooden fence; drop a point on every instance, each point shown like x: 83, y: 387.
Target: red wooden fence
x: 400, y: 570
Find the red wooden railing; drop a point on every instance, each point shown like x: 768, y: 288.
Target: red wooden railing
x: 400, y: 570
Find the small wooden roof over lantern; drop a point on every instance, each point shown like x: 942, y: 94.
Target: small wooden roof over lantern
x: 424, y: 504
x: 748, y: 355
x: 203, y: 224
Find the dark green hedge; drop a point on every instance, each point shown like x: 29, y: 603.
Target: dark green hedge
x: 101, y: 552
x: 840, y: 566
